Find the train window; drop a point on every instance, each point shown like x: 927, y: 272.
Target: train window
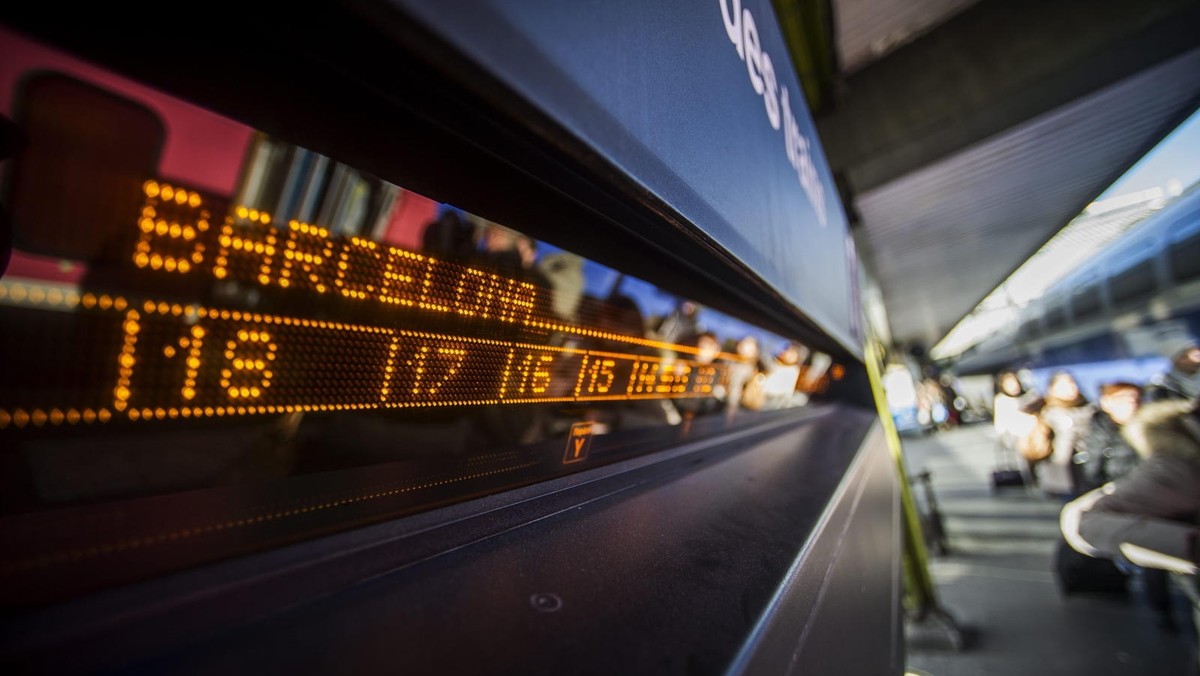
x: 1133, y: 282
x: 1030, y: 328
x: 1056, y: 314
x: 1184, y: 257
x: 1085, y: 302
x: 217, y: 341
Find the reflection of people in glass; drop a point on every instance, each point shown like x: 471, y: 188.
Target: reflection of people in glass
x: 449, y: 237
x: 681, y: 326
x: 745, y: 377
x: 709, y: 349
x: 564, y: 273
x: 780, y: 387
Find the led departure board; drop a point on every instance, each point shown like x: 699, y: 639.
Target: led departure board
x: 188, y: 360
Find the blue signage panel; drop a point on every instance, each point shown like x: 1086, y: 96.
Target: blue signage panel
x: 698, y: 101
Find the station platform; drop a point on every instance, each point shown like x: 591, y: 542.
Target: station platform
x: 997, y: 580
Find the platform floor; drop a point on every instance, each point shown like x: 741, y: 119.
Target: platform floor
x: 997, y: 581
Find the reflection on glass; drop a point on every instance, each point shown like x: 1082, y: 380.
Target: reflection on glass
x: 192, y: 304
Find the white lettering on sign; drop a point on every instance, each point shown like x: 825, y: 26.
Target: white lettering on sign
x: 743, y: 33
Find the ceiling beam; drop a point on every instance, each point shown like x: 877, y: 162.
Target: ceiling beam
x: 991, y: 67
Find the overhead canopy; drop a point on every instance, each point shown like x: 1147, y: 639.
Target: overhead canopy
x: 967, y: 134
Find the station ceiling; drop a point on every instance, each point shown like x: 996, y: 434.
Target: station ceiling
x: 965, y: 133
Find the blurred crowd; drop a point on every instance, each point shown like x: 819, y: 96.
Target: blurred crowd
x: 1126, y: 467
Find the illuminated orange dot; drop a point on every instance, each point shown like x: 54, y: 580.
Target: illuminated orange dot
x: 189, y: 393
x: 20, y: 418
x: 253, y: 214
x: 193, y: 200
x: 181, y: 197
x: 163, y: 308
x: 134, y: 414
x: 141, y: 260
x: 219, y: 272
x: 160, y: 413
x: 131, y: 328
x: 72, y: 417
x: 167, y: 192
x: 103, y: 415
x: 127, y: 360
x: 151, y: 188
x: 156, y: 261
x: 193, y: 362
x: 242, y: 212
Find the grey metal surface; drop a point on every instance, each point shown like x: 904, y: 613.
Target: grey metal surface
x: 838, y: 582
x: 944, y: 236
x: 869, y: 29
x: 667, y: 577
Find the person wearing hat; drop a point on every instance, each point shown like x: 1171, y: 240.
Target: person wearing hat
x: 1183, y: 380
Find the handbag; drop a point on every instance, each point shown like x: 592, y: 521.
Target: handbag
x: 1006, y: 474
x: 1038, y: 444
x: 754, y: 393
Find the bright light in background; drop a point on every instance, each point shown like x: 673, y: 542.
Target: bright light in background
x: 1160, y: 176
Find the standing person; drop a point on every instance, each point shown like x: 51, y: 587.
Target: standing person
x: 782, y: 375
x: 1066, y: 415
x: 681, y: 325
x: 935, y: 396
x: 1106, y: 455
x: 1011, y: 423
x: 745, y: 380
x: 1182, y: 381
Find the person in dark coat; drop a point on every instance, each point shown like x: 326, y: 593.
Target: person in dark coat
x: 1182, y: 381
x: 1106, y: 456
x: 1151, y: 516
